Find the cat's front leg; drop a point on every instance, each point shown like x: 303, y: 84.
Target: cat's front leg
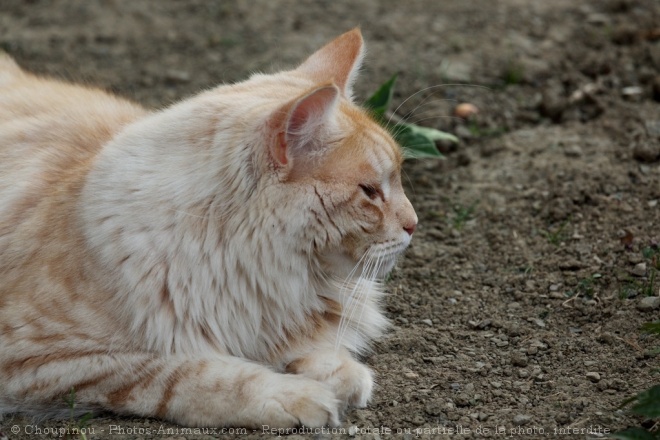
x: 351, y: 381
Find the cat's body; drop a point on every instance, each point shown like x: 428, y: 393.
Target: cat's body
x: 176, y: 264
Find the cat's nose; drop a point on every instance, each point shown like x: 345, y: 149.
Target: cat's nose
x: 410, y: 228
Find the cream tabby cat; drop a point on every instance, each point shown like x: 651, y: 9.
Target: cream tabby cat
x: 214, y: 263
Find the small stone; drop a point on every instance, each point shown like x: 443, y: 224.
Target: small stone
x: 427, y: 322
x: 496, y: 384
x: 593, y: 376
x: 462, y: 400
x: 455, y: 386
x: 513, y: 306
x: 418, y: 420
x: 177, y: 76
x: 518, y: 359
x: 640, y: 269
x: 646, y: 151
x: 532, y: 350
x: 573, y: 151
x: 434, y: 408
x: 402, y: 320
x: 632, y: 91
x: 521, y: 419
x: 411, y: 375
x: 465, y: 110
x: 554, y: 287
x: 648, y: 303
x: 539, y: 322
x: 352, y: 430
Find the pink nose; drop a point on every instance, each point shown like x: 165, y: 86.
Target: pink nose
x: 410, y: 228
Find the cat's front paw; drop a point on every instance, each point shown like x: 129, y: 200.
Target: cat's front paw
x: 351, y: 381
x: 293, y: 401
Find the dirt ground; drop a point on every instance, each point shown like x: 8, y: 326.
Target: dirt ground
x: 517, y: 309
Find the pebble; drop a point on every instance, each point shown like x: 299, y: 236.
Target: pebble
x: 427, y: 322
x: 649, y: 303
x: 640, y: 269
x: 352, y: 430
x: 462, y: 400
x: 410, y: 374
x: 573, y: 151
x: 177, y: 76
x: 513, y: 306
x: 434, y: 408
x: 539, y: 322
x: 465, y: 110
x: 646, y: 151
x: 554, y: 287
x: 593, y: 376
x: 521, y: 419
x: 518, y: 359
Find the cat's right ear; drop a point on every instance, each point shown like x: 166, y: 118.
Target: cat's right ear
x: 338, y: 61
x: 300, y: 127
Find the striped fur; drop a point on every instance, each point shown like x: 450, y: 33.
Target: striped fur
x: 214, y: 263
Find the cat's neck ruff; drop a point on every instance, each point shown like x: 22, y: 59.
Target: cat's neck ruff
x: 207, y: 256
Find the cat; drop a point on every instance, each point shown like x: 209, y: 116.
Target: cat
x: 214, y: 263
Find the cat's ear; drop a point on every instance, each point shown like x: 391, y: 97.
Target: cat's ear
x: 300, y: 127
x: 338, y: 61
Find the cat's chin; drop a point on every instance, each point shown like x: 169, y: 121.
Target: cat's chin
x: 375, y: 263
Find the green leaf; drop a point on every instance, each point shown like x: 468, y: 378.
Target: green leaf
x: 417, y: 141
x: 414, y: 144
x: 651, y: 327
x: 380, y: 101
x: 648, y: 403
x: 431, y: 133
x: 633, y: 434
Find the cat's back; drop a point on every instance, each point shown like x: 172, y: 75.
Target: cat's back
x: 50, y: 132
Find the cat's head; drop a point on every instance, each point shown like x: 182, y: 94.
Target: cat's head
x: 345, y: 166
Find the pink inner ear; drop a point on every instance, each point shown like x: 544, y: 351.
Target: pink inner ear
x: 312, y: 111
x: 337, y: 61
x: 301, y: 133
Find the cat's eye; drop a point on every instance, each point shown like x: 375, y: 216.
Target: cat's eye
x: 370, y: 191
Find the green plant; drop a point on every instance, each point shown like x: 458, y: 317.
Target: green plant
x: 417, y: 141
x: 557, y: 235
x: 462, y: 214
x: 479, y: 132
x: 645, y: 404
x: 80, y: 424
x: 513, y: 74
x: 585, y: 287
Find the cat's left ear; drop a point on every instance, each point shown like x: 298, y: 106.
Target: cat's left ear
x: 338, y: 61
x: 300, y: 128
